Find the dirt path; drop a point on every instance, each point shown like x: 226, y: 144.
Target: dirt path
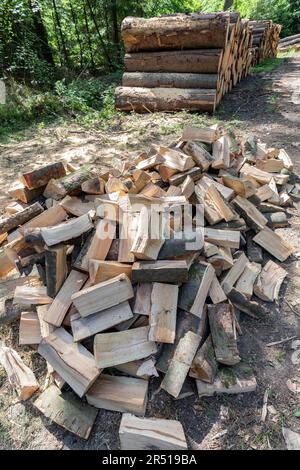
x: 269, y: 106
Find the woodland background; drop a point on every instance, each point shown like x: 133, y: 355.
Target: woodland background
x: 66, y: 56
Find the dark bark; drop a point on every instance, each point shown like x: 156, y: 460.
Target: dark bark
x: 41, y: 33
x: 74, y: 18
x: 62, y: 39
x: 89, y: 37
x: 104, y: 50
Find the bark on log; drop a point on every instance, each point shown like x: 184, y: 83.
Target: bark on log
x: 14, y: 220
x: 40, y: 177
x: 200, y: 62
x: 70, y: 184
x: 194, y: 31
x: 169, y: 80
x: 162, y: 99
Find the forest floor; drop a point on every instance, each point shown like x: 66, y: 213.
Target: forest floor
x: 267, y: 104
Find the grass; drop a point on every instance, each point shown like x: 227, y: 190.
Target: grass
x: 268, y: 65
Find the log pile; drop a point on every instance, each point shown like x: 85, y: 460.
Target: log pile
x: 111, y: 286
x: 184, y: 61
x: 290, y: 42
x: 265, y: 40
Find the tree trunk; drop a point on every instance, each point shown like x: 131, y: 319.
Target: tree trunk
x: 88, y: 36
x: 115, y: 26
x: 227, y: 4
x: 66, y: 57
x: 40, y: 31
x: 200, y: 61
x: 77, y: 32
x: 195, y: 31
x: 169, y: 80
x: 163, y: 99
x: 104, y: 50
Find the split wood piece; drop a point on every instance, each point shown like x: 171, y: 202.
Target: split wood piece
x: 216, y: 292
x: 286, y: 159
x: 151, y: 434
x: 128, y: 230
x: 274, y: 199
x: 274, y: 244
x: 225, y: 238
x: 123, y: 394
x: 101, y: 271
x: 207, y: 135
x: 20, y: 377
x: 153, y: 190
x: 62, y: 302
x: 74, y: 363
x: 20, y: 192
x: 199, y: 154
x: 3, y: 237
x: 50, y: 217
x: 254, y: 252
x: 85, y: 327
x: 234, y: 273
x: 222, y: 260
x: 69, y: 184
x: 142, y: 369
x: 108, y: 210
x: 261, y: 176
x: 266, y: 208
x: 271, y: 165
x: 250, y: 307
x: 111, y: 349
x: 189, y: 61
x: 142, y: 304
x: 204, y: 366
x: 75, y: 206
x: 135, y: 322
x: 176, y: 160
x: 188, y: 187
x: 6, y: 265
x: 221, y: 321
x: 277, y: 219
x: 29, y: 329
x: 205, y: 182
x: 27, y: 295
x: 56, y: 268
x: 247, y: 280
x: 40, y: 177
x: 221, y: 153
x: 195, y: 173
x: 230, y: 380
x: 175, y: 247
x: 180, y: 363
x: 95, y: 186
x: 169, y: 80
x: 241, y: 186
x: 66, y: 410
x: 269, y: 282
x: 45, y: 327
x: 160, y: 271
x: 115, y: 184
x: 13, y: 221
x: 262, y: 194
x: 67, y: 231
x: 180, y: 31
x: 214, y: 199
x: 285, y: 199
x: 149, y: 162
x: 163, y: 312
x: 97, y: 245
x: 149, y: 236
x: 193, y: 293
x: 250, y: 214
x: 211, y: 214
x: 103, y: 295
x: 185, y: 322
x: 145, y: 100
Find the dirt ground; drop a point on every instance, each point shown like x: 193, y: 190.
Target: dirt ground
x: 269, y: 106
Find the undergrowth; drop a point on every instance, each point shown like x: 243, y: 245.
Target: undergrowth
x: 268, y: 65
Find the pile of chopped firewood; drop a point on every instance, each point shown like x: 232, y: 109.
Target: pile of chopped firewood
x: 141, y: 270
x: 184, y: 61
x: 265, y: 39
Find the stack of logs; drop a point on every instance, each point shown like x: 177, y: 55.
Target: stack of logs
x: 290, y: 42
x: 265, y: 40
x: 108, y: 313
x: 182, y: 61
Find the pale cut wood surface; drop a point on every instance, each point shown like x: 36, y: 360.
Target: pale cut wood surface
x: 50, y: 217
x: 66, y: 231
x: 29, y: 329
x: 274, y: 244
x: 247, y: 280
x: 150, y: 434
x: 103, y: 295
x: 103, y: 270
x: 164, y: 299
x: 85, y: 327
x: 123, y: 394
x: 62, y: 302
x: 142, y: 303
x: 73, y: 362
x: 111, y: 349
x: 234, y: 273
x: 193, y: 293
x: 66, y: 410
x: 269, y: 282
x: 21, y: 377
x: 29, y: 295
